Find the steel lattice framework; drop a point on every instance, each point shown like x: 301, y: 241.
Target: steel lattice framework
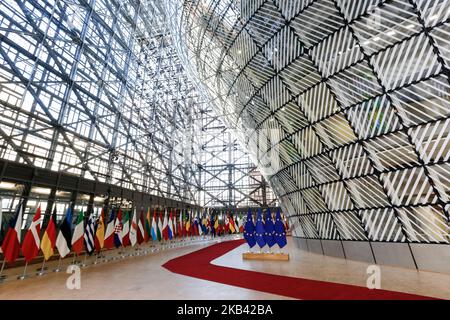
x: 353, y: 95
x: 227, y: 174
x: 95, y: 88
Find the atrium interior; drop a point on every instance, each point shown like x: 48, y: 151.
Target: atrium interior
x: 172, y: 139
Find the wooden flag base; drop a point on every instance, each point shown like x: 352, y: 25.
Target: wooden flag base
x: 265, y: 256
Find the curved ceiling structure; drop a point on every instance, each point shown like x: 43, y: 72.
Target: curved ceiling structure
x: 345, y: 104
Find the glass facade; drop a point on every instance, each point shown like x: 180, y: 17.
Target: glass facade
x: 343, y: 104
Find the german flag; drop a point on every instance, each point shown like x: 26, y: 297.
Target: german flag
x: 49, y: 239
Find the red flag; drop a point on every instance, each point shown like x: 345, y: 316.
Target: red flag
x: 11, y: 243
x: 232, y: 225
x: 32, y: 242
x: 219, y: 229
x: 180, y: 227
x: 142, y: 234
x: 227, y: 224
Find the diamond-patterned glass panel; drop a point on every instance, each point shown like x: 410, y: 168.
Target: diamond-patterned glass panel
x: 366, y: 118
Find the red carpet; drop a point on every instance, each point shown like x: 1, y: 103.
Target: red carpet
x: 198, y: 265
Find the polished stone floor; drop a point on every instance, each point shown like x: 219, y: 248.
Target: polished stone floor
x: 142, y: 277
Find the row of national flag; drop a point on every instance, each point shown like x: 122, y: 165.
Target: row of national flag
x: 123, y: 228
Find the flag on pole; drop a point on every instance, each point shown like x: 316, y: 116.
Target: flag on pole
x: 64, y: 239
x: 269, y: 227
x: 148, y: 223
x: 213, y: 225
x: 110, y: 231
x: 89, y: 235
x: 232, y: 225
x: 196, y: 228
x: 165, y: 227
x: 160, y: 227
x: 185, y: 219
x: 11, y: 243
x: 142, y: 233
x: 118, y: 229
x: 78, y: 234
x: 133, y: 229
x: 280, y: 234
x: 99, y: 240
x: 199, y: 225
x: 220, y: 228
x: 32, y: 242
x: 188, y: 224
x: 208, y: 224
x: 154, y: 230
x: 249, y: 230
x: 180, y: 226
x: 204, y: 224
x: 175, y: 229
x: 259, y: 230
x: 241, y: 225
x: 126, y: 229
x: 227, y: 224
x: 236, y: 223
x: 286, y: 223
x: 49, y: 238
x: 1, y: 224
x: 216, y: 226
x: 170, y: 227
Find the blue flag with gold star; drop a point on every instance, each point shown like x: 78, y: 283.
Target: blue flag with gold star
x: 280, y: 234
x: 249, y: 230
x: 270, y: 229
x: 260, y: 231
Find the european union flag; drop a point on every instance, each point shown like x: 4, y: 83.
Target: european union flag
x: 269, y: 236
x: 249, y: 230
x: 280, y: 234
x: 259, y: 234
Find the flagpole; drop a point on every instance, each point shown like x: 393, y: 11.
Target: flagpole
x: 145, y: 250
x: 40, y: 273
x: 24, y: 274
x: 2, y: 277
x: 84, y: 262
x: 58, y: 268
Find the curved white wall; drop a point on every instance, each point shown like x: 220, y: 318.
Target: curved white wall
x: 345, y: 104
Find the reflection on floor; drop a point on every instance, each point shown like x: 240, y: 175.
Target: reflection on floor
x: 142, y: 277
